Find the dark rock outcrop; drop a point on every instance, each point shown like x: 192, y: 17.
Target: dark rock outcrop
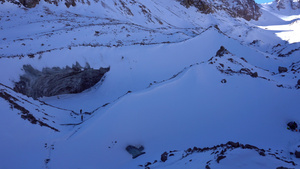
x: 223, y: 81
x: 220, y: 158
x: 292, y: 125
x: 56, y: 81
x: 246, y: 9
x: 297, y: 154
x: 282, y: 168
x: 255, y: 74
x: 164, y: 157
x: 69, y: 3
x: 207, y: 167
x: 29, y: 3
x: 222, y: 51
x: 234, y: 144
x: 134, y: 151
x: 262, y: 153
x: 287, y: 4
x: 298, y: 84
x: 202, y: 5
x: 282, y: 69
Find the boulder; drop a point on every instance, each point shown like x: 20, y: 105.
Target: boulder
x: 255, y: 74
x: 223, y: 81
x: 292, y: 125
x: 262, y: 153
x: 164, y: 157
x: 134, y: 151
x: 282, y: 69
x: 297, y: 154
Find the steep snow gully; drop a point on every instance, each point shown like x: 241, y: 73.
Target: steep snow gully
x: 125, y: 84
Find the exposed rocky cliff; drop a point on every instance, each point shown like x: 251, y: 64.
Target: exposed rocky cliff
x: 246, y: 9
x: 287, y: 4
x: 29, y: 3
x: 33, y: 3
x: 56, y: 81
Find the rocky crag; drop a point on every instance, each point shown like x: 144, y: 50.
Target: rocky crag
x: 33, y: 3
x: 246, y: 9
x: 287, y: 4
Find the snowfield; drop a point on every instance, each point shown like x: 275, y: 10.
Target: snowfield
x: 205, y: 89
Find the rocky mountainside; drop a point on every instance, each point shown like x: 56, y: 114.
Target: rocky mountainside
x: 33, y: 3
x: 288, y: 4
x: 246, y: 9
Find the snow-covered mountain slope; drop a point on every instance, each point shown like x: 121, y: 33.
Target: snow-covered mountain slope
x: 178, y: 79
